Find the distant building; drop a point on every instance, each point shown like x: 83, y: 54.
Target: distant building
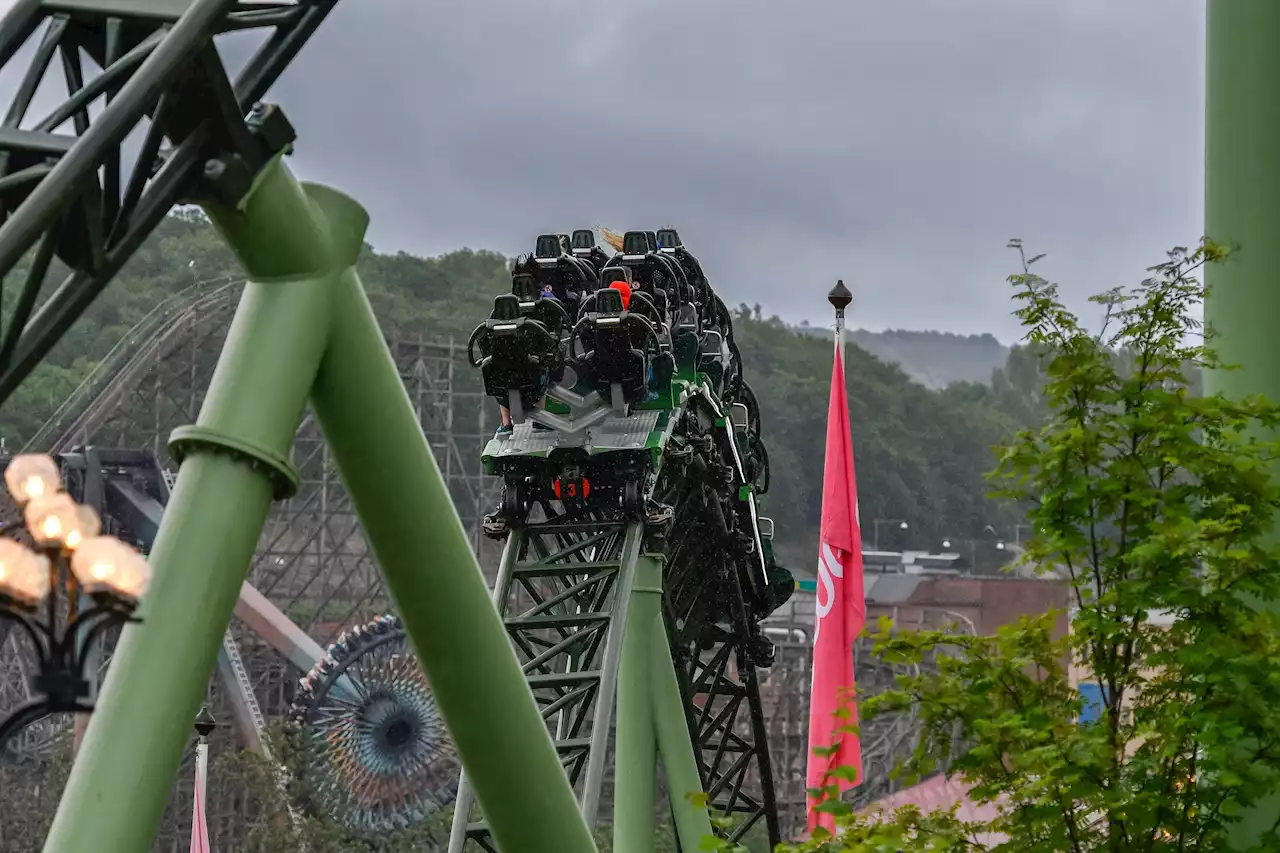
x: 917, y: 590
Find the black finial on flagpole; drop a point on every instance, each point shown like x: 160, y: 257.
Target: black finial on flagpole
x: 205, y: 723
x: 840, y: 297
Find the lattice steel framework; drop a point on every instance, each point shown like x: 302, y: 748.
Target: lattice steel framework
x: 312, y: 561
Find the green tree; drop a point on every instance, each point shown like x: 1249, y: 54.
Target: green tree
x: 1152, y: 502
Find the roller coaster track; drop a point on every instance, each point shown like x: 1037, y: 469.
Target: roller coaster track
x: 150, y: 338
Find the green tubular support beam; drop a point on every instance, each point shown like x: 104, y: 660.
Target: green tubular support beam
x: 305, y: 327
x: 693, y: 822
x: 651, y: 714
x: 636, y: 744
x: 1242, y: 212
x: 236, y: 461
x: 426, y: 558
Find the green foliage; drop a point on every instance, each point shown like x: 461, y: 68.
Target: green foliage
x: 1151, y: 502
x: 920, y: 454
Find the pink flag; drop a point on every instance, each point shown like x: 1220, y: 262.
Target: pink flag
x: 199, y: 828
x: 840, y: 608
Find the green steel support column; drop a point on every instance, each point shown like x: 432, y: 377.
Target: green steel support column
x: 1242, y: 211
x: 679, y: 763
x: 636, y: 746
x: 426, y: 558
x: 236, y: 459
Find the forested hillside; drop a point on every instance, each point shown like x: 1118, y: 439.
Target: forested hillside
x: 921, y: 453
x: 934, y: 359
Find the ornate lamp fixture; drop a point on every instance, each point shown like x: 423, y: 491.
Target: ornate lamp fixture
x: 69, y: 558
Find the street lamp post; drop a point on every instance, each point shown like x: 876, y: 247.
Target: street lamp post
x: 973, y: 549
x: 875, y: 529
x: 70, y: 559
x: 1017, y: 533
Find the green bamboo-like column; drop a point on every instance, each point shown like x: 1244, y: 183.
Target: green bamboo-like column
x: 426, y: 558
x: 1242, y: 211
x: 235, y: 461
x: 636, y: 742
x: 305, y: 327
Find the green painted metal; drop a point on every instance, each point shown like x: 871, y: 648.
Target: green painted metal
x: 299, y: 244
x: 124, y: 773
x: 636, y: 745
x: 680, y: 765
x: 426, y: 558
x: 1242, y: 211
x: 564, y: 597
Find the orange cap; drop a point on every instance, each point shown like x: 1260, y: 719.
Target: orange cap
x: 625, y: 289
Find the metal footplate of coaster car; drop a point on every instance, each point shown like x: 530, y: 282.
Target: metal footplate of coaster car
x: 146, y: 71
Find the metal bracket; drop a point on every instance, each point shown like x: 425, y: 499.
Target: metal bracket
x: 68, y: 188
x: 584, y: 411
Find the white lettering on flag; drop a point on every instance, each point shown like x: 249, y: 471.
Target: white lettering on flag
x: 829, y: 568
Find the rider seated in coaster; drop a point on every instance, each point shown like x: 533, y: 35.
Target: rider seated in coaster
x: 657, y: 272
x: 625, y: 289
x: 559, y: 273
x: 622, y: 352
x: 670, y: 245
x: 547, y: 311
x: 656, y: 298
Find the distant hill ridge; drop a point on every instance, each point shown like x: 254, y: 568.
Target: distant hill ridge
x: 934, y: 359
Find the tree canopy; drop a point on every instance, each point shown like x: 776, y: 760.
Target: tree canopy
x: 1152, y: 724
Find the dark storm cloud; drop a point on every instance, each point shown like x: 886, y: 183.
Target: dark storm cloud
x: 894, y: 144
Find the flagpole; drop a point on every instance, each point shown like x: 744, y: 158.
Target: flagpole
x: 839, y: 603
x: 204, y: 726
x: 840, y: 297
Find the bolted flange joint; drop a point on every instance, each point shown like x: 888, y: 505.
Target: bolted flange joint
x: 284, y: 478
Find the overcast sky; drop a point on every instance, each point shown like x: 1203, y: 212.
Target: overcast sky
x: 896, y: 144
